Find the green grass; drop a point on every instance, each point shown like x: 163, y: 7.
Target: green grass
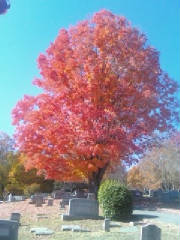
x: 122, y: 232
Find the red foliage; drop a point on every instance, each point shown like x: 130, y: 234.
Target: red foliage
x: 104, y: 95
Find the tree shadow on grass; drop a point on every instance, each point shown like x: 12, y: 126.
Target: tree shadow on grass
x: 151, y: 208
x: 140, y: 217
x: 135, y: 218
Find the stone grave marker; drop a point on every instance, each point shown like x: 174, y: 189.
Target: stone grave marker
x: 150, y: 232
x: 8, y: 230
x: 42, y: 216
x: 91, y: 196
x: 34, y: 229
x: 33, y: 199
x: 50, y: 202
x: 15, y: 217
x: 39, y: 201
x: 41, y: 231
x: 65, y: 199
x: 19, y: 198
x: 57, y: 194
x: 82, y: 208
x: 106, y: 225
x: 64, y: 202
x: 70, y: 227
x: 73, y: 228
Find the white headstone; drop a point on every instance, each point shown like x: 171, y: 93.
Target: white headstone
x: 10, y: 197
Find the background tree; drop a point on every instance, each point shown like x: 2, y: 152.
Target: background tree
x: 160, y: 168
x: 135, y: 179
x: 7, y: 157
x: 119, y: 173
x: 6, y: 147
x: 104, y: 96
x: 26, y: 182
x: 163, y: 163
x: 13, y: 177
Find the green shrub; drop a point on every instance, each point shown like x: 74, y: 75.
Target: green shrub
x: 14, y: 188
x: 115, y: 200
x: 32, y: 189
x: 47, y: 186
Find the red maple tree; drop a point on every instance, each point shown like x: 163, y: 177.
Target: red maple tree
x: 104, y: 96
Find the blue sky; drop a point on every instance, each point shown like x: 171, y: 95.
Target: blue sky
x: 30, y: 25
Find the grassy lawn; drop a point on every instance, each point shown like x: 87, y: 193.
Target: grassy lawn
x: 94, y: 226
x: 120, y: 230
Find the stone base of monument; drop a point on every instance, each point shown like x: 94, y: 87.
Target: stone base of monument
x: 73, y: 228
x: 41, y: 216
x: 66, y: 217
x: 41, y: 231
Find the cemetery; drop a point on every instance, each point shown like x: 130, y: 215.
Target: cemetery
x: 82, y: 218
x: 95, y: 150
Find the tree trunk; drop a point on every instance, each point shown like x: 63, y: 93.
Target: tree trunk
x: 2, y: 191
x: 95, y: 180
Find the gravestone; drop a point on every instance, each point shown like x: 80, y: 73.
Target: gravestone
x: 15, y: 217
x: 65, y: 199
x: 41, y: 216
x: 19, y: 198
x: 45, y: 195
x: 8, y: 230
x: 91, y: 196
x: 64, y: 202
x: 57, y: 194
x: 10, y: 197
x: 50, y: 202
x: 81, y: 208
x: 150, y: 232
x: 33, y: 199
x: 79, y: 194
x: 151, y: 193
x: 41, y: 231
x: 73, y: 228
x: 39, y: 198
x: 39, y: 201
x: 70, y: 227
x: 106, y: 225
